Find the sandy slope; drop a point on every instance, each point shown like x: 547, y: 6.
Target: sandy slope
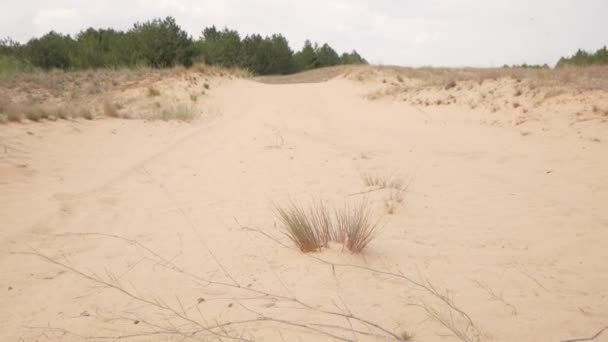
x: 514, y: 226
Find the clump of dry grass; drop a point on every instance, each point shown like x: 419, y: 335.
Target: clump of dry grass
x: 314, y: 227
x: 110, y: 109
x: 308, y: 228
x: 451, y: 84
x: 392, y: 202
x: 35, y: 113
x: 382, y: 182
x: 5, y: 104
x: 14, y: 116
x: 153, y: 92
x: 84, y: 113
x: 179, y: 113
x: 406, y: 336
x: 354, y: 224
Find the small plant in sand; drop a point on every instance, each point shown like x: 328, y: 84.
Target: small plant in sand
x: 179, y: 113
x: 153, y: 92
x: 355, y: 226
x: 110, y: 109
x: 10, y: 112
x: 206, y: 86
x: 406, y: 336
x: 308, y: 228
x: 451, y: 84
x: 85, y: 113
x: 314, y: 227
x: 392, y: 202
x: 33, y: 113
x: 382, y: 182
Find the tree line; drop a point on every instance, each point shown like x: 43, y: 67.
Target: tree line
x: 162, y: 43
x: 584, y: 58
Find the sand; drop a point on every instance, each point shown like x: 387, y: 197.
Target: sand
x: 509, y: 219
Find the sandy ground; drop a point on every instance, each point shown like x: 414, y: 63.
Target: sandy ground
x: 509, y: 221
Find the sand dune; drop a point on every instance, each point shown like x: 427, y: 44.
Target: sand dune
x: 505, y: 213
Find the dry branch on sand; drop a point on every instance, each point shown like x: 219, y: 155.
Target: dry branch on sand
x: 190, y: 322
x: 444, y: 311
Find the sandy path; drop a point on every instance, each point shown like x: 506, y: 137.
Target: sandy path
x: 515, y: 227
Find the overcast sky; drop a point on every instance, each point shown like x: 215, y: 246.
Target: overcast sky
x: 400, y: 32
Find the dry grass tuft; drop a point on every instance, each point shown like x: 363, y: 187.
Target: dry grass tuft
x: 406, y: 336
x: 392, y: 202
x: 313, y: 228
x: 5, y: 104
x: 62, y: 112
x: 153, y: 92
x: 206, y: 86
x: 451, y: 84
x: 179, y: 113
x: 306, y: 228
x: 355, y: 225
x: 35, y: 112
x: 382, y: 182
x: 84, y: 113
x: 14, y: 116
x: 110, y: 109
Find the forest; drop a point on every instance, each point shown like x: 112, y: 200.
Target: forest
x: 162, y: 43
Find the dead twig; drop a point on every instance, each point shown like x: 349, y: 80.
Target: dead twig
x: 588, y: 339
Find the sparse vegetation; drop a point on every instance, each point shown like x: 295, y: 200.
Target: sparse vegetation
x: 382, y: 182
x: 308, y: 228
x: 179, y: 113
x: 153, y: 92
x: 312, y: 228
x: 13, y: 116
x: 406, y: 336
x: 85, y: 113
x: 110, y: 109
x: 392, y: 202
x: 35, y: 112
x: 354, y: 224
